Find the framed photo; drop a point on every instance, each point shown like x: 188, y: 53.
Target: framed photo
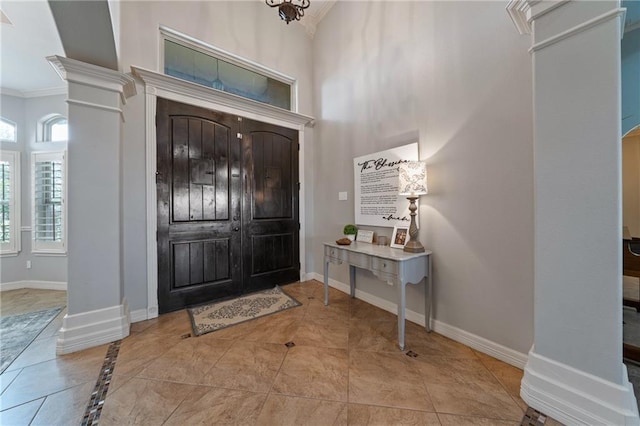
x: 400, y: 236
x: 365, y: 236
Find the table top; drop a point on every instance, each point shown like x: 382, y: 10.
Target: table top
x: 385, y: 252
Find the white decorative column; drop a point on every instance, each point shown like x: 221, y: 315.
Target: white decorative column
x: 575, y: 372
x: 96, y: 310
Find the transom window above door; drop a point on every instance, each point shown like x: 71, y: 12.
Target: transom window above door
x: 198, y: 62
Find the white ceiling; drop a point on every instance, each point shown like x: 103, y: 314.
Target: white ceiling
x: 25, y: 44
x: 32, y: 36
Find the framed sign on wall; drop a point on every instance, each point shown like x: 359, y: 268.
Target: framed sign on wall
x: 377, y: 202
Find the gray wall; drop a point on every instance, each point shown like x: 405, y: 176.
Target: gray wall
x: 248, y: 29
x: 26, y: 112
x: 458, y: 75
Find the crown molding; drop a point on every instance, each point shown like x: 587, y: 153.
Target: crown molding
x: 524, y: 12
x: 155, y: 82
x: 94, y: 76
x: 310, y: 22
x: 11, y: 92
x: 519, y: 12
x: 38, y: 93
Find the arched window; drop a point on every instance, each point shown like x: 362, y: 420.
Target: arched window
x: 8, y: 130
x: 53, y: 128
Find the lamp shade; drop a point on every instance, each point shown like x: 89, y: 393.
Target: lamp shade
x: 413, y: 178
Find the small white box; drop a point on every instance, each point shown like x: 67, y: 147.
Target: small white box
x: 342, y: 196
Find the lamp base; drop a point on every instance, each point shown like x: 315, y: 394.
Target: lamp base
x: 414, y: 247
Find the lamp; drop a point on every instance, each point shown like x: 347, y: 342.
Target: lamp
x: 289, y: 10
x: 413, y: 183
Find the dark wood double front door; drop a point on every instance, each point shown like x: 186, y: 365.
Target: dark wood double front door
x: 227, y: 192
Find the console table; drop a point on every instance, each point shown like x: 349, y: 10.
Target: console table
x: 394, y: 266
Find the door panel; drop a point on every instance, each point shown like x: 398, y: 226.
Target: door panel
x: 198, y: 186
x: 270, y: 224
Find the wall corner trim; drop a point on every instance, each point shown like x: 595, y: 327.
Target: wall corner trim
x: 572, y: 396
x: 93, y: 328
x: 496, y: 350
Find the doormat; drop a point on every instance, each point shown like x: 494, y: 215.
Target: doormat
x: 18, y: 331
x: 216, y: 316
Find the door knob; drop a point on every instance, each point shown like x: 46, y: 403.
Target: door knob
x: 236, y: 229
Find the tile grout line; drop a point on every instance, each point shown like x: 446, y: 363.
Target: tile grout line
x: 99, y: 394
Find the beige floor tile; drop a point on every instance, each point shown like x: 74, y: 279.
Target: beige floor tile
x: 39, y: 351
x: 138, y: 350
x: 278, y: 328
x: 368, y: 415
x: 15, y: 302
x: 20, y: 415
x: 6, y: 378
x: 387, y: 379
x: 451, y: 420
x: 378, y: 336
x: 142, y: 401
x: 53, y: 376
x: 509, y: 376
x: 363, y: 311
x: 474, y: 399
x: 174, y: 323
x: 218, y: 406
x: 247, y: 366
x: 66, y: 407
x: 315, y: 373
x: 53, y: 327
x: 302, y: 292
x: 322, y: 332
x: 292, y: 411
x: 336, y: 309
x: 433, y: 344
x: 440, y: 370
x: 117, y: 380
x: 187, y: 360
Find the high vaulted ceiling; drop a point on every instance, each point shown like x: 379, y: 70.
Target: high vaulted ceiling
x: 32, y: 35
x: 24, y: 44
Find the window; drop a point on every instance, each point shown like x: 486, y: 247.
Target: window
x: 10, y: 202
x: 8, y: 131
x: 197, y: 62
x: 49, y: 213
x: 53, y: 128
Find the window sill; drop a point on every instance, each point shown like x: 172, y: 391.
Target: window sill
x: 9, y: 253
x: 49, y: 254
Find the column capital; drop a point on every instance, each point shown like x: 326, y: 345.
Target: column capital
x: 524, y: 12
x: 86, y: 74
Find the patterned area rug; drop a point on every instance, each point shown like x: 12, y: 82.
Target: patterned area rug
x: 18, y: 331
x: 208, y: 318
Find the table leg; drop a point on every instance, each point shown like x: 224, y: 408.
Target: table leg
x: 428, y: 295
x: 352, y: 280
x: 401, y: 310
x: 326, y: 281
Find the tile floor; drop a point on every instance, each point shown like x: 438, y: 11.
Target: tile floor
x: 345, y: 368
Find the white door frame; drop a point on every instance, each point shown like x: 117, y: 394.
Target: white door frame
x: 160, y: 85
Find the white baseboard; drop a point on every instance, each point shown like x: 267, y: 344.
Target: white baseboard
x: 40, y: 285
x: 138, y: 315
x: 496, y: 350
x: 572, y: 396
x: 93, y: 328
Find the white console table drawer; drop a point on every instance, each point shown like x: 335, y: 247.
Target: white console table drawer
x: 384, y: 265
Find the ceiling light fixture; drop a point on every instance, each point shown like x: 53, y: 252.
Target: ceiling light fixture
x: 289, y: 10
